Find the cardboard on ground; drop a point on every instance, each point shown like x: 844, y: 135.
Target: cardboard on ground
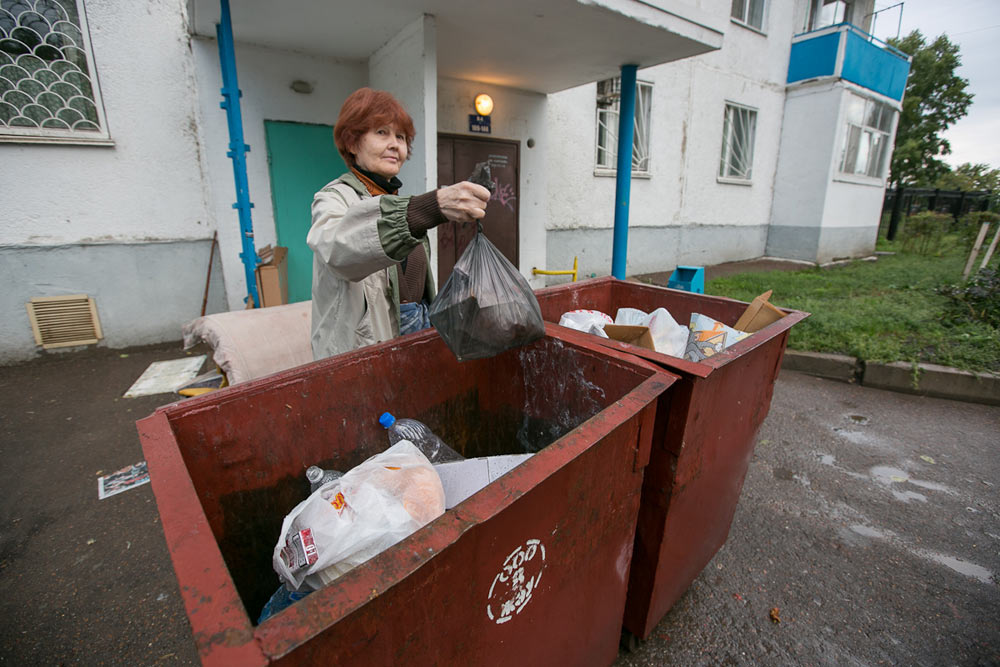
x: 162, y: 377
x: 630, y: 333
x: 461, y: 479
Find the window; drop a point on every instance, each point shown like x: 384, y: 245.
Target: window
x: 738, y: 131
x: 608, y: 95
x: 831, y: 12
x: 48, y: 83
x: 749, y: 12
x: 866, y: 138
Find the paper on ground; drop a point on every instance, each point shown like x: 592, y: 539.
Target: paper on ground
x: 461, y: 479
x: 122, y: 480
x: 163, y: 377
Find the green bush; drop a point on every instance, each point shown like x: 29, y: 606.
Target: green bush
x: 977, y: 301
x: 969, y: 224
x: 924, y: 233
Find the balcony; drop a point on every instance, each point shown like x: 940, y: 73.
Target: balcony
x: 845, y: 52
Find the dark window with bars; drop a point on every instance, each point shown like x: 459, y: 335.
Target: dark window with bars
x: 48, y: 85
x: 608, y: 98
x: 738, y: 131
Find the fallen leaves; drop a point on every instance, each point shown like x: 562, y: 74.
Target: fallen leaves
x: 775, y: 615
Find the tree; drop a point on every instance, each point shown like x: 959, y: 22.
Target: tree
x: 970, y: 176
x: 935, y: 98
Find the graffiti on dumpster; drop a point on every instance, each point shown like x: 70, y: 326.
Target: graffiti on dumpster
x: 517, y: 580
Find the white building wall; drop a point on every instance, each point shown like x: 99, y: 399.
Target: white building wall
x: 680, y: 213
x: 406, y: 66
x: 853, y: 203
x: 820, y: 214
x: 129, y: 224
x: 74, y: 194
x: 265, y: 77
x: 517, y: 116
x: 804, y: 170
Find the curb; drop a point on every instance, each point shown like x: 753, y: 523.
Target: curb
x: 924, y: 380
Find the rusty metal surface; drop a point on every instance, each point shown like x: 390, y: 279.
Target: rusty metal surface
x: 703, y: 441
x: 466, y: 589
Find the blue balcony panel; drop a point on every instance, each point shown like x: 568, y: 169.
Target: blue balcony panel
x: 874, y: 68
x: 866, y: 61
x: 813, y: 58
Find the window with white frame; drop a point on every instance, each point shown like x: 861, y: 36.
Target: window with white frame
x: 738, y: 130
x: 608, y: 98
x: 831, y: 12
x: 865, y: 146
x: 48, y: 82
x: 749, y: 12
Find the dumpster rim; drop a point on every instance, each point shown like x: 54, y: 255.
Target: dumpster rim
x: 702, y: 368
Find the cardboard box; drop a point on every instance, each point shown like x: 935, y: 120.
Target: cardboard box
x: 630, y: 333
x: 758, y: 314
x: 272, y: 276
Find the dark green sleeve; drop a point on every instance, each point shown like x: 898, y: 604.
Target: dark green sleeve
x: 393, y: 230
x: 404, y: 222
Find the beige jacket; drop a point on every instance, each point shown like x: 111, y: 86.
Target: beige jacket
x: 357, y: 241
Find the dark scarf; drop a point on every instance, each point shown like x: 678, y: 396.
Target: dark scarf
x: 382, y: 185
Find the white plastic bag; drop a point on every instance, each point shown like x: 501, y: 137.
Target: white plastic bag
x: 588, y: 321
x: 669, y: 337
x: 347, y: 521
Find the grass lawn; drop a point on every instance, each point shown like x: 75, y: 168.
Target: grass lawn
x: 877, y: 311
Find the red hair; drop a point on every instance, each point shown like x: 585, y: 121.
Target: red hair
x: 366, y: 109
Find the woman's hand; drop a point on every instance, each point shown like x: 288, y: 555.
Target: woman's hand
x: 463, y: 202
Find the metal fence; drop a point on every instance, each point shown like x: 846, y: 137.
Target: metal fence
x: 902, y: 202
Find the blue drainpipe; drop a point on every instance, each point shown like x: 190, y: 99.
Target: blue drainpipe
x: 623, y: 180
x: 237, y: 149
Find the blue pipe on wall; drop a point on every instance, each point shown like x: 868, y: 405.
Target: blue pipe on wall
x: 237, y: 149
x: 623, y: 180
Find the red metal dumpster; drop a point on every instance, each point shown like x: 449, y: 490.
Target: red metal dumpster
x: 703, y: 440
x: 533, y: 569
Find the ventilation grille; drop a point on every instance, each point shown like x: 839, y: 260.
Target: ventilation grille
x: 61, y: 321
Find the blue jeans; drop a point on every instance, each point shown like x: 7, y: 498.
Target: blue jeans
x: 413, y: 317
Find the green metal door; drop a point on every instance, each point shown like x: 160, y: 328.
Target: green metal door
x: 302, y: 158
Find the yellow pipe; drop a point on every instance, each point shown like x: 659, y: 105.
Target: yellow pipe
x: 543, y: 272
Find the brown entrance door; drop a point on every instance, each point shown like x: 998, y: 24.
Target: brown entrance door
x: 457, y: 156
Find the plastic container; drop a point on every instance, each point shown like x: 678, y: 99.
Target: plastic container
x: 531, y: 569
x: 705, y: 435
x: 420, y: 435
x: 318, y: 477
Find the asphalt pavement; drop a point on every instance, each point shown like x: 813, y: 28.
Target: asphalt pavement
x: 868, y: 532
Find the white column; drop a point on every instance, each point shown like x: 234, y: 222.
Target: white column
x: 406, y: 66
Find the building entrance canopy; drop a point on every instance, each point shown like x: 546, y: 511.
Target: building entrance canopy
x: 540, y: 47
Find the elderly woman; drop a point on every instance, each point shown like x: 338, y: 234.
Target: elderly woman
x: 372, y: 276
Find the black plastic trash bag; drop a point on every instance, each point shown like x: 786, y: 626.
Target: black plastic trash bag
x: 486, y: 306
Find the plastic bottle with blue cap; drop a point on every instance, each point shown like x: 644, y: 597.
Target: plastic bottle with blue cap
x: 420, y: 435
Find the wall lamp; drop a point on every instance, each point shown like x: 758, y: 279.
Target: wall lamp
x: 484, y: 104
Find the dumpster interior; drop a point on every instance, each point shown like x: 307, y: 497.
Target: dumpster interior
x: 246, y: 449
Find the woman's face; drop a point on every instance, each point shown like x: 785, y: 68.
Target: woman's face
x: 381, y: 150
